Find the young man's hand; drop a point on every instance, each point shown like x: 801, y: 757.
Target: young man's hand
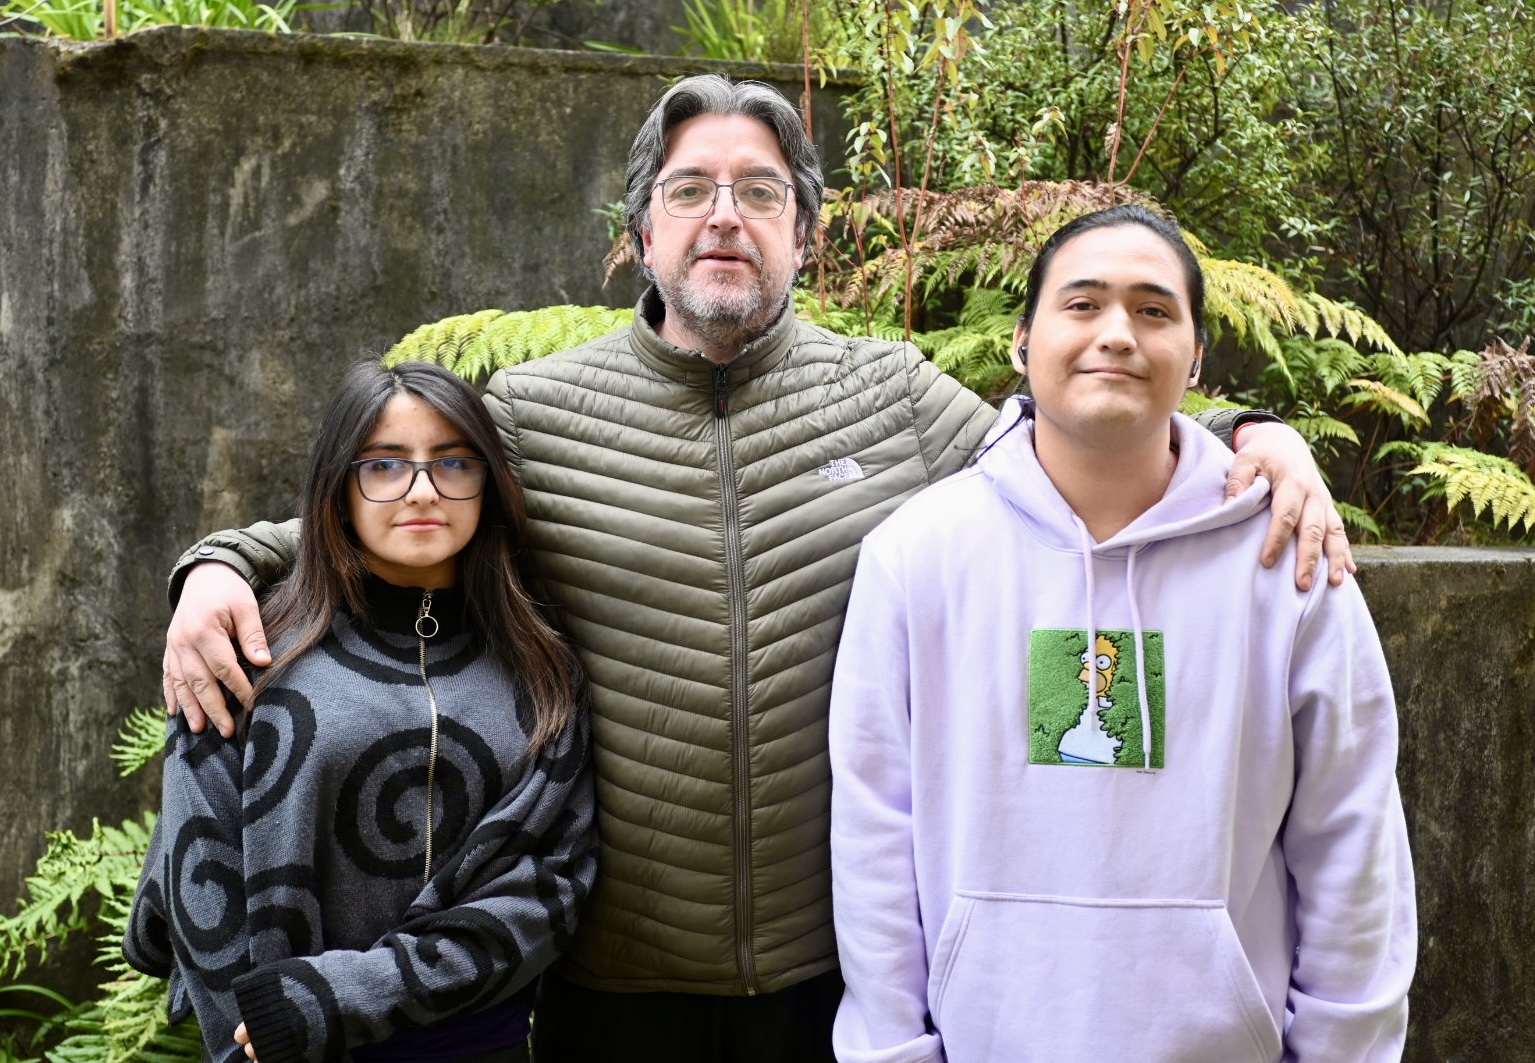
x: 1301, y: 504
x: 216, y: 606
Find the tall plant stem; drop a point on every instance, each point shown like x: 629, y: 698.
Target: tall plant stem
x: 927, y: 173
x: 1146, y: 143
x: 895, y: 158
x: 863, y: 287
x: 1119, y: 111
x: 804, y: 103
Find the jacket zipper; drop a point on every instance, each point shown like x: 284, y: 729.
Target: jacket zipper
x: 739, y: 747
x: 426, y: 627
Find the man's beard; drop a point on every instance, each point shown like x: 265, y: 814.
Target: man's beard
x: 726, y: 315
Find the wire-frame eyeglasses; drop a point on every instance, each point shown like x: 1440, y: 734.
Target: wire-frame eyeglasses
x: 758, y: 198
x: 456, y: 477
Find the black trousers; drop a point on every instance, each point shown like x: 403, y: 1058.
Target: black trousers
x: 573, y: 1024
x: 500, y: 1055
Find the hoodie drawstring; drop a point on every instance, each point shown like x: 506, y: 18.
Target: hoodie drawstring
x: 1140, y: 658
x: 1140, y: 640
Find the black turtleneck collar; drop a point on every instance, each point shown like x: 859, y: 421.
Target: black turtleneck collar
x: 395, y: 609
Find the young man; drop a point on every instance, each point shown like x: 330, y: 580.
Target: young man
x: 697, y: 487
x: 1102, y: 789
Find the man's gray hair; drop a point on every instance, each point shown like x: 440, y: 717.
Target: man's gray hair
x: 716, y: 94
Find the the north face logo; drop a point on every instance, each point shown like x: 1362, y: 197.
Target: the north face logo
x: 840, y: 469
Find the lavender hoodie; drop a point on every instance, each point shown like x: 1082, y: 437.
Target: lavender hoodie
x: 1187, y: 846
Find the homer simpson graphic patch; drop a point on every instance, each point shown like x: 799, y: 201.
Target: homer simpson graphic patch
x: 1084, y: 708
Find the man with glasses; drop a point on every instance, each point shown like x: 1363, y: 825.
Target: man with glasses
x: 697, y: 487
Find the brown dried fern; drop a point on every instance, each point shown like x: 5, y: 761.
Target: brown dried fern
x: 1500, y: 402
x: 989, y: 233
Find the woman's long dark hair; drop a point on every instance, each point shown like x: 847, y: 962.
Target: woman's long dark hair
x: 492, y: 568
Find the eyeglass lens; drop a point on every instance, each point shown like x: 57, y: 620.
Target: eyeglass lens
x: 759, y: 198
x: 390, y: 479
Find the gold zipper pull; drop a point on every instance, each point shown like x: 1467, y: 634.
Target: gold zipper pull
x: 426, y: 623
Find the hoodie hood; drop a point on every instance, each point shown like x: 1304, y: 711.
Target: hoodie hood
x: 1194, y: 502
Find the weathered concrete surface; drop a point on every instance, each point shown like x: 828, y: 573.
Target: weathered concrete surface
x: 1458, y: 627
x: 639, y: 25
x: 198, y: 231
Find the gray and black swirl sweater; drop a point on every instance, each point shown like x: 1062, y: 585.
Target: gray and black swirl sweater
x: 287, y: 883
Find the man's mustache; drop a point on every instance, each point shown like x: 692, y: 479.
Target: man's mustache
x: 734, y: 247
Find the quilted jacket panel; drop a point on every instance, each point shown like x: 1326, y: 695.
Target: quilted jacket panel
x: 702, y: 562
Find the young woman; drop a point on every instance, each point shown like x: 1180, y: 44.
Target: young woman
x: 401, y: 838
x: 1104, y: 789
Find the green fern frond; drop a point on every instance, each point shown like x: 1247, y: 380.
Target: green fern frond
x: 1490, y: 484
x: 976, y: 350
x: 475, y: 345
x: 1262, y: 295
x: 1357, y: 518
x: 131, y: 1011
x: 1316, y: 427
x: 1377, y: 396
x: 1420, y: 375
x: 884, y: 320
x: 127, y: 1022
x: 1343, y: 320
x: 139, y: 740
x: 1326, y: 361
x: 1197, y: 402
x: 106, y: 863
x: 1467, y: 373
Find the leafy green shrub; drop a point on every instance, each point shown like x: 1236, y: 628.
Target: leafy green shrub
x: 770, y: 31
x: 81, y: 20
x: 454, y: 21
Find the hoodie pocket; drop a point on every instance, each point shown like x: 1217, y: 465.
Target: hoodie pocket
x: 1063, y: 979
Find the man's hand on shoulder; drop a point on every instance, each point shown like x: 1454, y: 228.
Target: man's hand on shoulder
x: 1301, y: 504
x: 216, y: 607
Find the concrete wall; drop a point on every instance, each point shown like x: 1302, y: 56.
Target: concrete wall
x: 199, y: 230
x: 1458, y: 627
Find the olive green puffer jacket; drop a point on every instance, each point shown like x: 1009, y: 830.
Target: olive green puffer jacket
x: 698, y: 526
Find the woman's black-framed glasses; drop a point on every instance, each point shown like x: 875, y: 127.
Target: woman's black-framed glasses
x: 757, y: 198
x: 458, y: 477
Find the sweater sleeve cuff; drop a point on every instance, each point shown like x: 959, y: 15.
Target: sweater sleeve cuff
x: 270, y: 1019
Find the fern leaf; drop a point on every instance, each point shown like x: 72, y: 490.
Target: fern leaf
x: 140, y: 739
x: 1376, y: 395
x: 475, y: 345
x: 1197, y: 402
x: 106, y: 863
x: 1263, y: 295
x: 1466, y: 374
x: 1316, y: 427
x: 1357, y: 518
x: 1490, y: 484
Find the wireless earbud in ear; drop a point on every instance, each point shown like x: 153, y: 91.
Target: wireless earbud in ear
x: 1194, y: 370
x: 1023, y: 354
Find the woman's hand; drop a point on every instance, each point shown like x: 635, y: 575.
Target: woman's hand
x: 243, y: 1037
